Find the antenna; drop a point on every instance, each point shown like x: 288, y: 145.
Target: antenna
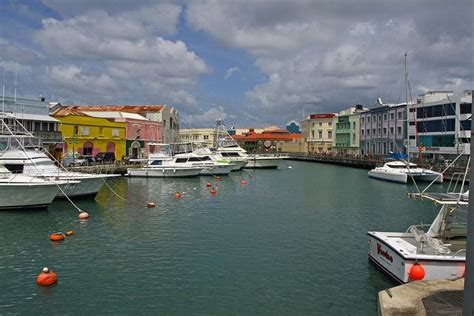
x: 16, y: 77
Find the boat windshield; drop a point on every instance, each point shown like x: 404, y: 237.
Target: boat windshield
x: 400, y: 165
x: 451, y: 223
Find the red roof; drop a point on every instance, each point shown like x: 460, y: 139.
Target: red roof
x: 326, y: 115
x: 120, y: 108
x: 276, y: 135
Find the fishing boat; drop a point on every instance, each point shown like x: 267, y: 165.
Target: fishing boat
x: 402, y: 172
x: 161, y: 164
x: 18, y: 191
x: 420, y: 254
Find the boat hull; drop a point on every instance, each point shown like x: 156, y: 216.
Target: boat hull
x: 388, y: 176
x: 87, y: 187
x: 217, y: 170
x: 164, y: 172
x: 239, y: 164
x: 397, y: 265
x: 263, y: 163
x: 15, y: 196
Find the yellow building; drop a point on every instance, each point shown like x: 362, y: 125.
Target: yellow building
x: 317, y: 129
x: 88, y: 135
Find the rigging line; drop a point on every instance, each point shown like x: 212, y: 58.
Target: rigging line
x: 449, y: 166
x: 464, y: 179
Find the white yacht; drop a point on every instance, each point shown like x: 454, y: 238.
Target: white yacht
x: 265, y: 161
x: 232, y: 151
x: 161, y: 164
x: 440, y: 252
x: 21, y: 152
x: 203, y: 158
x: 18, y: 191
x: 402, y: 172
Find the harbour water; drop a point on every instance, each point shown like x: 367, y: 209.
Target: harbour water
x: 289, y: 241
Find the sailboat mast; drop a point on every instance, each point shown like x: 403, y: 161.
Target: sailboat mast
x: 408, y: 110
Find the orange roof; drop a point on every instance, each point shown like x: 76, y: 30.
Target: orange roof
x: 278, y: 135
x: 121, y: 108
x: 67, y: 110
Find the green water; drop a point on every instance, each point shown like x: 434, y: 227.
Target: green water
x: 292, y: 241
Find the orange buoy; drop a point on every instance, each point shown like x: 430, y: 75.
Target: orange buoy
x: 177, y: 195
x: 213, y: 191
x: 83, y: 215
x: 218, y: 178
x: 56, y: 237
x: 69, y: 233
x: 417, y: 272
x: 151, y: 205
x: 46, y: 277
x: 208, y: 184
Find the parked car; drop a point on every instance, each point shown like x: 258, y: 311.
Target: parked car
x: 105, y: 157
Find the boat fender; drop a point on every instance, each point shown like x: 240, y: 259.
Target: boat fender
x: 177, y: 195
x: 46, y: 277
x: 69, y: 233
x: 56, y: 237
x: 150, y: 205
x: 213, y: 191
x: 417, y: 272
x: 83, y: 215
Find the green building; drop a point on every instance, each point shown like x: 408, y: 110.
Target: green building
x: 347, y: 131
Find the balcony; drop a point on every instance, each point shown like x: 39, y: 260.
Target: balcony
x: 49, y: 137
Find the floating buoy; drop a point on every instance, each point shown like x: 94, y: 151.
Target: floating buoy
x: 208, y: 184
x: 244, y: 182
x: 177, y: 195
x: 151, y: 205
x: 218, y: 178
x: 290, y: 167
x: 213, y: 191
x: 417, y: 272
x: 46, y: 277
x: 56, y: 237
x: 69, y: 233
x: 83, y: 215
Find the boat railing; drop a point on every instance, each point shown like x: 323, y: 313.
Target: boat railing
x: 459, y: 252
x: 422, y: 226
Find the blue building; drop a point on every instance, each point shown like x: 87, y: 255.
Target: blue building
x: 293, y: 127
x: 443, y: 125
x: 383, y: 130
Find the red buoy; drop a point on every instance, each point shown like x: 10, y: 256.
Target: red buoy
x: 208, y: 184
x: 244, y: 182
x: 56, y: 237
x: 150, y: 205
x: 213, y: 191
x: 177, y: 195
x: 46, y: 277
x: 417, y: 272
x: 83, y: 215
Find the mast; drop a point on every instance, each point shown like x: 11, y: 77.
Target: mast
x: 408, y: 110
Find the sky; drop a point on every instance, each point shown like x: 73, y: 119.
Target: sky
x: 252, y: 63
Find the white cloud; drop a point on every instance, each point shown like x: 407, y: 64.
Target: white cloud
x: 208, y: 117
x: 336, y: 53
x: 229, y: 72
x: 122, y: 57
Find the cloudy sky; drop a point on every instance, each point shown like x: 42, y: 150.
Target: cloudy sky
x: 253, y: 63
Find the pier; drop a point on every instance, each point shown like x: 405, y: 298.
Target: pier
x: 105, y: 168
x: 453, y: 173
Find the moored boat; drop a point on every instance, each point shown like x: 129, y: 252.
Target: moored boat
x: 402, y: 172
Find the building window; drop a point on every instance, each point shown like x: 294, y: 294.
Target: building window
x: 330, y: 123
x: 391, y: 130
x: 368, y: 119
x: 374, y: 131
x: 353, y: 137
x: 330, y: 134
x: 384, y: 148
x: 362, y: 132
x: 385, y: 131
x: 313, y: 124
x: 379, y: 131
x: 75, y: 130
x: 385, y: 116
x: 115, y: 132
x: 101, y: 131
x: 312, y: 134
x: 368, y: 132
x: 206, y: 137
x: 353, y: 125
x: 320, y: 134
x: 392, y: 116
x: 400, y: 115
x: 85, y: 131
x: 399, y: 130
x: 362, y: 120
x: 320, y: 123
x: 374, y: 118
x: 390, y: 145
x: 164, y: 123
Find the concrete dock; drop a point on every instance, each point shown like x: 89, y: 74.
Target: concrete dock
x: 435, y: 297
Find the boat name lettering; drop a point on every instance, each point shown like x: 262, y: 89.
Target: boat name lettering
x: 384, y: 253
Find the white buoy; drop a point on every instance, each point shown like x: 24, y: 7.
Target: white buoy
x: 290, y: 167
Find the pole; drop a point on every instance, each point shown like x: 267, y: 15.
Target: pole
x: 468, y: 309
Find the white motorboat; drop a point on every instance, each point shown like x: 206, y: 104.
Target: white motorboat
x: 402, y: 172
x: 234, y: 154
x: 162, y: 164
x: 438, y: 253
x: 18, y: 191
x: 210, y: 164
x: 264, y: 161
